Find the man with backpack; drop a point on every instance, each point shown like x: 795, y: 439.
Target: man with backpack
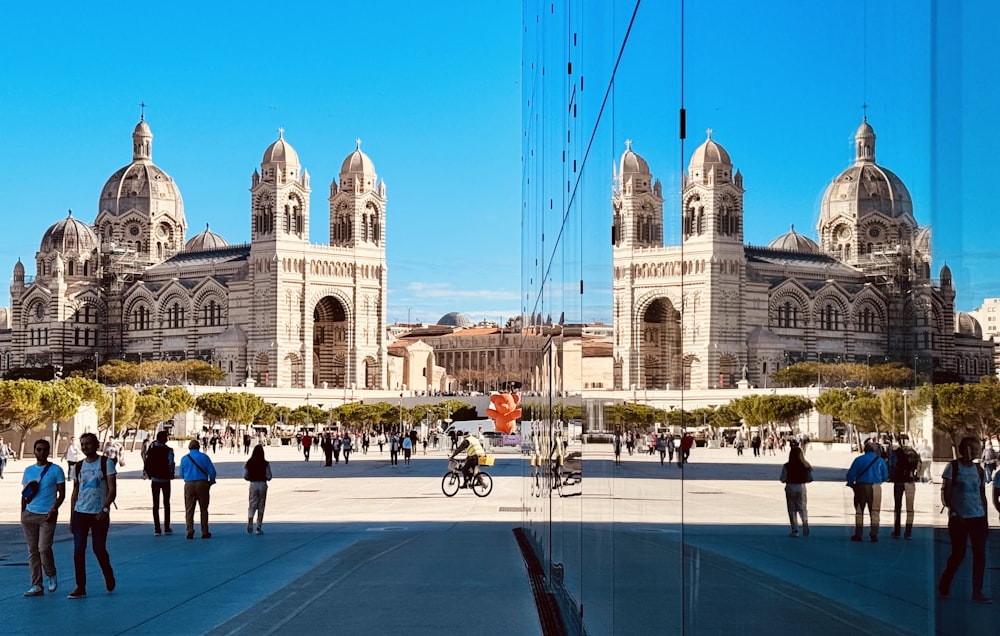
x: 159, y: 468
x: 963, y: 492
x: 904, y: 466
x: 94, y: 490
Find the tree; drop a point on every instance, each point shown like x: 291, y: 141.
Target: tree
x: 30, y: 405
x: 864, y: 413
x: 124, y: 400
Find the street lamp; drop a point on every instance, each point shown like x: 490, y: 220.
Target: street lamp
x: 915, y: 360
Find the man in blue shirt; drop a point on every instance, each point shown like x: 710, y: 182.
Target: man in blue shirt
x: 38, y: 517
x: 198, y: 473
x: 865, y: 476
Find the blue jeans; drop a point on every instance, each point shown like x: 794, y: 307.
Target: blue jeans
x: 83, y: 524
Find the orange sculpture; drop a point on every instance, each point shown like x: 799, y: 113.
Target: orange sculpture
x: 504, y: 412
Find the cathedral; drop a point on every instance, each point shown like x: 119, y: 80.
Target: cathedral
x: 277, y: 311
x: 713, y: 311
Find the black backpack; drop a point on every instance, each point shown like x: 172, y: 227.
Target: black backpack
x: 158, y: 462
x: 908, y: 464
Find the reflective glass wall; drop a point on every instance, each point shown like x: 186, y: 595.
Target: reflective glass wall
x: 714, y: 194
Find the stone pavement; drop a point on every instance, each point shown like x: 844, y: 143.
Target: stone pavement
x: 368, y: 548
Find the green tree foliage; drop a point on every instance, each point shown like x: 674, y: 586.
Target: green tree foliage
x: 30, y: 405
x: 892, y: 374
x: 234, y: 408
x: 150, y: 410
x: 124, y: 409
x: 120, y: 372
x: 864, y: 413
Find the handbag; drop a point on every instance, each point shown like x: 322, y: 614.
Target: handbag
x: 33, y: 487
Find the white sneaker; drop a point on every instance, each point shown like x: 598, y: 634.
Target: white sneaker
x: 51, y: 583
x: 35, y: 590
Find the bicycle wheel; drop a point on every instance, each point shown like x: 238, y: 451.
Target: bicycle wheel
x: 482, y: 484
x: 449, y: 483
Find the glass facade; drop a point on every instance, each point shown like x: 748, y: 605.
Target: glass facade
x: 713, y: 128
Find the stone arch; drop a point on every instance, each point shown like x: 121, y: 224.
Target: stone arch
x: 295, y: 370
x: 660, y: 343
x: 830, y: 312
x: 330, y: 341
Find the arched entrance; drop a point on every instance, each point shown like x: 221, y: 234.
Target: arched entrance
x: 329, y: 342
x: 661, y: 345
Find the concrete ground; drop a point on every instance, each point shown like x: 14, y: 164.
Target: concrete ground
x: 368, y: 548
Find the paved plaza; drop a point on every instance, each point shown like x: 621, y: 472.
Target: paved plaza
x: 368, y: 548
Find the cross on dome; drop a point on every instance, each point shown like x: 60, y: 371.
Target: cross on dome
x: 142, y: 110
x: 358, y: 141
x: 281, y: 132
x: 708, y: 131
x: 628, y: 144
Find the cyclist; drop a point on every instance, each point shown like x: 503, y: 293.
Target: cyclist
x: 473, y: 449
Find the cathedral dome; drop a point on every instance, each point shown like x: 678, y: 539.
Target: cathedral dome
x: 708, y: 155
x: 710, y: 163
x: 454, y: 319
x: 358, y: 162
x: 280, y: 151
x: 632, y: 163
x: 792, y: 241
x: 966, y: 325
x: 205, y: 240
x: 142, y: 186
x: 69, y: 236
x: 866, y: 189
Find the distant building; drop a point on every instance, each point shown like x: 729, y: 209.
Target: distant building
x: 697, y: 315
x: 987, y: 319
x: 277, y: 311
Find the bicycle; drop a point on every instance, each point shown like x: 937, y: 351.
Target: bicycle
x: 481, y: 482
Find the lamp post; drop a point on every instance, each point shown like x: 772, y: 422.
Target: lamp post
x: 915, y: 360
x: 906, y: 418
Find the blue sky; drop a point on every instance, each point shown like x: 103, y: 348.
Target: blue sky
x: 434, y: 92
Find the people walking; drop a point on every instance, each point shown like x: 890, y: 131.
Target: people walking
x: 347, y: 446
x: 39, y: 513
x: 326, y: 444
x: 904, y: 467
x: 671, y: 447
x: 393, y: 450
x: 963, y: 492
x: 407, y: 449
x: 865, y: 477
x: 94, y: 490
x: 72, y: 455
x: 795, y: 474
x: 257, y: 471
x: 198, y: 473
x: 687, y: 443
x: 661, y: 447
x: 989, y: 461
x: 5, y: 454
x: 307, y: 442
x: 617, y: 447
x: 159, y: 467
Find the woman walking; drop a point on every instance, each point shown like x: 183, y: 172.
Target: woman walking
x: 257, y: 471
x: 795, y: 475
